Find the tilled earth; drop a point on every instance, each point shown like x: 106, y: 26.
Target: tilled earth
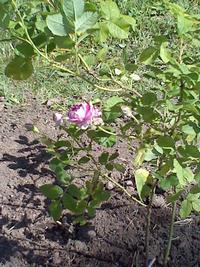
x: 114, y: 238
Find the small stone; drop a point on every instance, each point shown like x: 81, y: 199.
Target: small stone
x: 159, y: 202
x: 91, y: 233
x: 1, y: 106
x: 131, y: 190
x: 110, y: 185
x: 80, y: 246
x: 129, y: 183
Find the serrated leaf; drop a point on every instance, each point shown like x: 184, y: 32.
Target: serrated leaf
x: 186, y: 208
x: 113, y: 101
x: 116, y: 31
x: 51, y: 191
x: 55, y: 209
x: 85, y: 22
x: 73, y: 9
x: 185, y: 24
x: 109, y: 10
x: 141, y: 176
x: 127, y: 21
x: 57, y: 25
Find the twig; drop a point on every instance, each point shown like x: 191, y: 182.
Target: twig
x: 171, y: 231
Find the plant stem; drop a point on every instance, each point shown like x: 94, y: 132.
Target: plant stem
x: 124, y: 190
x: 148, y: 222
x: 76, y: 55
x: 171, y: 231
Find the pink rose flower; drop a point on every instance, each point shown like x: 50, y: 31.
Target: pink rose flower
x: 83, y: 114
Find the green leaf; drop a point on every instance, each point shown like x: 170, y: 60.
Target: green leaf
x: 116, y: 31
x: 74, y: 191
x: 192, y: 151
x: 114, y: 156
x: 19, y: 68
x: 196, y: 205
x: 149, y: 55
x: 131, y: 67
x: 101, y: 55
x: 84, y: 160
x: 168, y: 182
x: 90, y: 60
x: 119, y: 167
x: 166, y: 142
x: 81, y: 206
x: 179, y: 171
x: 125, y: 21
x: 85, y: 22
x: 51, y: 191
x: 80, y: 220
x: 188, y: 174
x: 69, y: 202
x: 164, y: 53
x: 148, y: 113
x: 185, y: 24
x: 175, y: 196
x: 141, y: 176
x: 109, y: 10
x: 113, y: 101
x: 109, y: 166
x: 186, y: 208
x: 57, y: 25
x: 4, y: 17
x: 148, y: 99
x: 55, y: 209
x: 64, y: 42
x: 195, y: 189
x: 103, y: 158
x: 139, y: 158
x: 25, y: 49
x: 103, y: 32
x: 73, y: 9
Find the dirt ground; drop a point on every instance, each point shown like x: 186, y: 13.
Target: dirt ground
x: 114, y: 238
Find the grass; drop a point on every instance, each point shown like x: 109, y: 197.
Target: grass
x: 47, y: 84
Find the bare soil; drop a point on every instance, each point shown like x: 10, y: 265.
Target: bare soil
x: 114, y: 238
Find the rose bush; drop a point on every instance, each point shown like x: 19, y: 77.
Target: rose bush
x: 164, y: 119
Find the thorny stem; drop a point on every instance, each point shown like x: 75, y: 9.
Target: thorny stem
x: 148, y: 221
x: 124, y: 190
x: 171, y: 230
